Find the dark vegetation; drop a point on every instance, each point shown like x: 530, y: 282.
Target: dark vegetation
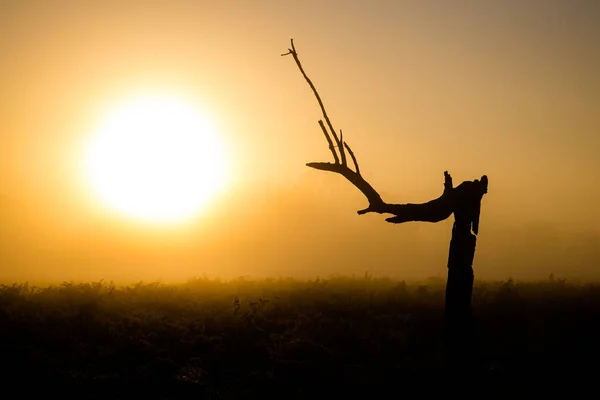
x: 283, y: 338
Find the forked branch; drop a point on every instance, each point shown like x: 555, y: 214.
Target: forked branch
x: 338, y: 141
x: 433, y: 211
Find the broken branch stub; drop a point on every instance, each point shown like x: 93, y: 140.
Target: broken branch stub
x: 433, y: 211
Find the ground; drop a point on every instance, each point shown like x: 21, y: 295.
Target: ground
x: 285, y: 338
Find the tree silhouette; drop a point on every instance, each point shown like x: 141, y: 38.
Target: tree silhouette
x: 464, y: 201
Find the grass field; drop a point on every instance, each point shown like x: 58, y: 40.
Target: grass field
x: 284, y: 338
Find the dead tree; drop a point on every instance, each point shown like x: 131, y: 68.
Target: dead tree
x: 464, y: 201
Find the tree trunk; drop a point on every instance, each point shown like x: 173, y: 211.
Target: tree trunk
x: 460, y: 340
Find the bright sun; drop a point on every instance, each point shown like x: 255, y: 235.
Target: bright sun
x: 155, y: 159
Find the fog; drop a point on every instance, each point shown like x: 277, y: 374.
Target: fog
x: 506, y: 89
x: 303, y: 230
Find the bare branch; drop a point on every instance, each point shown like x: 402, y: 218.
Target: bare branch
x: 458, y: 200
x: 331, y: 146
x: 352, y: 156
x: 432, y: 211
x: 341, y: 146
x: 294, y: 54
x: 375, y: 201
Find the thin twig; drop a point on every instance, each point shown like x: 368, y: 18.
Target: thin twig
x: 294, y: 54
x: 352, y: 156
x: 331, y: 146
x: 342, y: 152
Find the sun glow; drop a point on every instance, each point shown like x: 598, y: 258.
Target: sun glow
x: 155, y: 159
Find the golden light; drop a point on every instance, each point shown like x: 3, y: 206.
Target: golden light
x: 157, y: 159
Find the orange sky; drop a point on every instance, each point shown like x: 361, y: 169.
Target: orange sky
x: 509, y: 89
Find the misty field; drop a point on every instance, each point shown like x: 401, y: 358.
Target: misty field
x: 284, y: 338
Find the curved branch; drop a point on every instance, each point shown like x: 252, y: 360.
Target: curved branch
x: 433, y: 211
x: 375, y: 201
x: 463, y: 201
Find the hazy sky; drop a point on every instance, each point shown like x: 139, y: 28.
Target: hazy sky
x: 504, y: 88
